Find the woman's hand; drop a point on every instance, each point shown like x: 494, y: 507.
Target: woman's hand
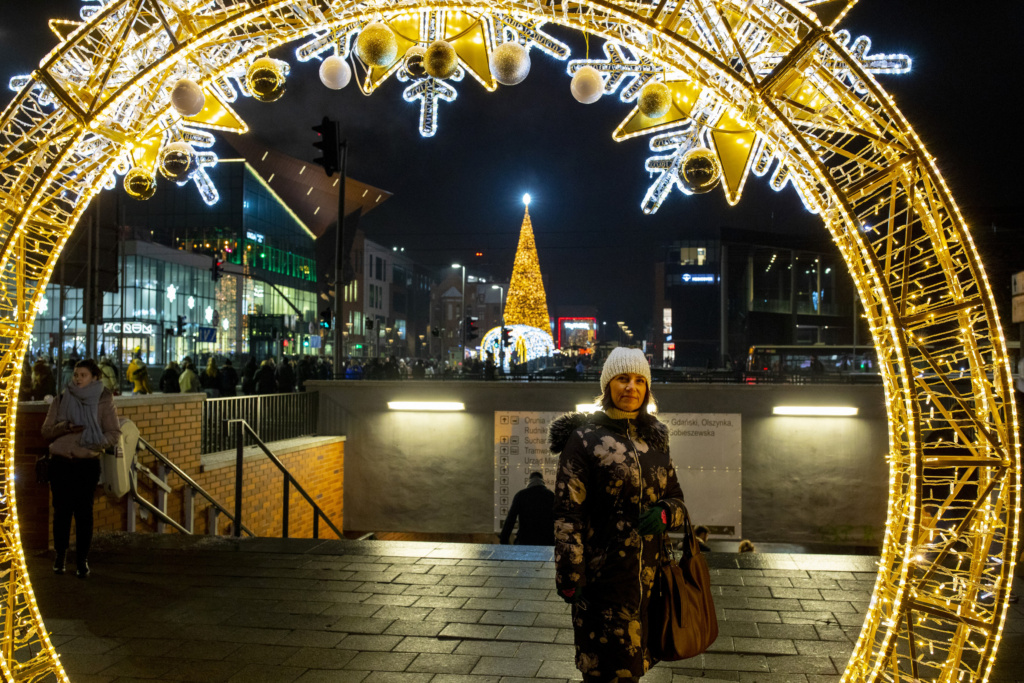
x: 654, y: 521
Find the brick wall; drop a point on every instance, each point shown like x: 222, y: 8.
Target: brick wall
x: 172, y: 424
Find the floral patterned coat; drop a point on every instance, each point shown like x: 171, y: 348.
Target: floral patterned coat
x: 609, y: 473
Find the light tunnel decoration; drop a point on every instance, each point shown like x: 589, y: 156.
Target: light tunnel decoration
x: 528, y: 343
x: 815, y: 119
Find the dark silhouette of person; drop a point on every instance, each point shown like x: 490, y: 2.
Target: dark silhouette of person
x: 534, y: 508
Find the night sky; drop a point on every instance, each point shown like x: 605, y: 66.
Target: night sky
x: 459, y: 192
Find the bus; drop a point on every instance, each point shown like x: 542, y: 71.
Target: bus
x: 812, y: 359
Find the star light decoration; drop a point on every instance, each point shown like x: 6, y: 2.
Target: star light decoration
x: 472, y: 36
x: 692, y: 122
x: 697, y: 120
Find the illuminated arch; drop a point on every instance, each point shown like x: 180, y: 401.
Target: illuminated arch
x: 771, y: 73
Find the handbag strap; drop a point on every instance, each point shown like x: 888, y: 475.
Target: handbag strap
x: 690, y: 547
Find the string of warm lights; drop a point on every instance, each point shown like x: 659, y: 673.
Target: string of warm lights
x: 526, y: 302
x: 724, y: 90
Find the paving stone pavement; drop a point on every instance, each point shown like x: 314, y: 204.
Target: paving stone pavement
x: 172, y: 608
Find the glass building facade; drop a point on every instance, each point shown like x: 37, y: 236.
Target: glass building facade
x: 169, y: 302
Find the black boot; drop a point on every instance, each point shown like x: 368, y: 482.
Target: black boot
x: 83, y: 569
x: 58, y: 562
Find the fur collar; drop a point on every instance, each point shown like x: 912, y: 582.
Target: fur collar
x: 654, y: 433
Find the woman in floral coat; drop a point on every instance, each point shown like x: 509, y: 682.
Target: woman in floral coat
x: 616, y: 493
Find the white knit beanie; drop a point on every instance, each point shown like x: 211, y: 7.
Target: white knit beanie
x: 622, y: 360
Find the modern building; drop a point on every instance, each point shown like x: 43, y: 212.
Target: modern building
x: 172, y: 276
x: 716, y: 297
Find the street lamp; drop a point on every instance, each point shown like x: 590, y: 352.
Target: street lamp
x: 462, y: 313
x: 501, y: 337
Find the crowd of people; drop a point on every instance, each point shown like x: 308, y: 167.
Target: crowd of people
x: 218, y: 376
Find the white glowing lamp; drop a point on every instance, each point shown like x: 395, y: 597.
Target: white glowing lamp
x: 526, y: 199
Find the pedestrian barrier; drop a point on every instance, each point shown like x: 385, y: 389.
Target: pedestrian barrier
x: 275, y: 416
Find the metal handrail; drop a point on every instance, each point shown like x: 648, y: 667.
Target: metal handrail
x: 240, y: 428
x: 191, y: 483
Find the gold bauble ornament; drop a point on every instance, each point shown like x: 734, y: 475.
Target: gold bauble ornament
x: 699, y: 170
x: 510, y: 63
x: 176, y: 161
x: 414, y: 65
x: 377, y: 45
x: 655, y: 100
x: 266, y: 79
x: 440, y: 60
x: 139, y: 184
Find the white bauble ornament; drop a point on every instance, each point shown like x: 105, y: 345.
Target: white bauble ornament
x: 510, y: 63
x: 377, y: 45
x: 587, y: 85
x: 335, y: 72
x: 176, y: 161
x: 187, y: 97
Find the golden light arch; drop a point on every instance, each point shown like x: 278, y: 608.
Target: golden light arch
x: 776, y: 80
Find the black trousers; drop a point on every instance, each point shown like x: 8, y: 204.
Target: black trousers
x: 73, y: 484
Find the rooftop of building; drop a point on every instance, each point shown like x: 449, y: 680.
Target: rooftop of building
x: 303, y: 185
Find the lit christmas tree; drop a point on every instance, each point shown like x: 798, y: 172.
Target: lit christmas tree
x: 526, y: 303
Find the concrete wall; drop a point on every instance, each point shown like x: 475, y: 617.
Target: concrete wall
x: 806, y: 480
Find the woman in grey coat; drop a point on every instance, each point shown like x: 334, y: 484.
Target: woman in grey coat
x: 80, y: 423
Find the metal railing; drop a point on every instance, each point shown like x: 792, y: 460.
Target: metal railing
x: 274, y: 416
x: 159, y: 509
x: 239, y: 428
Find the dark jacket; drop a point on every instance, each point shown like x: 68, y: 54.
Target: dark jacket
x: 265, y: 381
x: 285, y: 377
x: 534, y: 508
x: 228, y: 381
x: 609, y: 473
x: 169, y: 381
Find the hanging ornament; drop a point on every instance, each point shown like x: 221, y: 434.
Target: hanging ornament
x: 266, y: 79
x: 587, y: 85
x: 139, y: 184
x: 414, y: 64
x: 335, y: 72
x: 176, y: 161
x: 510, y: 63
x: 655, y: 100
x: 699, y: 170
x: 187, y: 97
x: 377, y: 45
x: 440, y: 60
x: 751, y: 111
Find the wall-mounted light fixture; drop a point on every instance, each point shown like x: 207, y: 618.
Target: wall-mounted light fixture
x: 426, y: 405
x: 815, y: 411
x: 587, y: 407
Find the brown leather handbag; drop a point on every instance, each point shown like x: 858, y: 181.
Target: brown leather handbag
x: 681, y: 619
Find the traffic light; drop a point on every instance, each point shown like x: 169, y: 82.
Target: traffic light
x: 328, y: 145
x: 217, y: 269
x: 435, y: 331
x: 471, y: 329
x: 369, y: 323
x: 506, y: 336
x: 325, y: 318
x: 180, y: 330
